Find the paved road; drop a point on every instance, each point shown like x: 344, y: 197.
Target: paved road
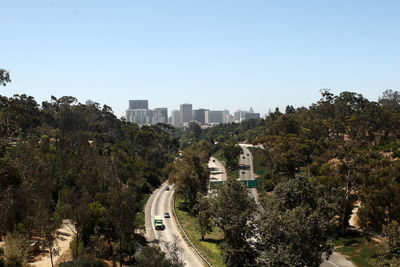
x: 160, y: 202
x: 336, y: 259
x: 247, y: 171
x: 217, y: 170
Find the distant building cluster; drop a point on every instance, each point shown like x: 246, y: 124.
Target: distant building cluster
x: 139, y: 113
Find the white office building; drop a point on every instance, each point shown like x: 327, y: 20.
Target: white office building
x: 176, y: 118
x: 160, y: 115
x: 214, y: 116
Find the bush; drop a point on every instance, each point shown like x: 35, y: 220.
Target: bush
x: 83, y: 262
x: 16, y: 249
x: 396, y: 154
x: 73, y: 245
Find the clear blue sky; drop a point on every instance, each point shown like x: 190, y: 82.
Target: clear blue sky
x: 214, y: 54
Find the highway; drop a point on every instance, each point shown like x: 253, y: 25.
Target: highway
x: 246, y: 168
x: 159, y: 203
x: 217, y: 170
x: 246, y: 159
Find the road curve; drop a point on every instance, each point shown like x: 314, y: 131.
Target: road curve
x: 161, y: 201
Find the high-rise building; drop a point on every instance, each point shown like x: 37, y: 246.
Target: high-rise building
x: 186, y: 113
x: 214, y: 116
x: 236, y: 116
x: 138, y: 104
x: 226, y: 116
x: 239, y: 115
x: 176, y: 118
x: 199, y: 115
x: 253, y: 115
x: 160, y: 115
x: 139, y: 116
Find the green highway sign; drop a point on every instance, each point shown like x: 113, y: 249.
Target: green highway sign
x: 248, y: 183
x: 252, y: 183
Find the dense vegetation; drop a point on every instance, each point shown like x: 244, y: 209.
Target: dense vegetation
x: 317, y: 163
x: 63, y: 161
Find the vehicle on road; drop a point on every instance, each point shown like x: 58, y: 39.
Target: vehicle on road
x: 213, y: 160
x: 166, y: 215
x: 248, y: 154
x: 243, y: 172
x: 244, y: 157
x: 158, y: 223
x: 167, y: 188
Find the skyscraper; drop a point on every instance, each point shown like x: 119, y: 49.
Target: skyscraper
x: 199, y: 115
x: 160, y: 115
x: 186, y: 113
x: 214, y: 116
x: 138, y: 104
x: 176, y: 118
x: 139, y: 116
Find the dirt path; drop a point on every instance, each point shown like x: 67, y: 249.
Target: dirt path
x: 63, y: 239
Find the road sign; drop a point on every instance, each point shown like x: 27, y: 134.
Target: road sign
x: 251, y: 183
x: 248, y: 183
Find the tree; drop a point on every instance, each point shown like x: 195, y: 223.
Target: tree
x: 233, y: 212
x: 389, y: 250
x: 4, y: 77
x: 231, y: 153
x: 190, y: 175
x: 297, y: 224
x: 204, y: 215
x: 153, y: 256
x: 16, y: 249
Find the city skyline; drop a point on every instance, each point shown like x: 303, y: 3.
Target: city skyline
x: 259, y: 54
x: 141, y: 113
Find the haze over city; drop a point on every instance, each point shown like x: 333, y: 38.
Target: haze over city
x: 214, y: 54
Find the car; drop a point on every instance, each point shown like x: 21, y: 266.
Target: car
x: 213, y: 160
x: 248, y: 154
x: 243, y: 172
x: 166, y: 215
x: 167, y: 188
x: 244, y: 157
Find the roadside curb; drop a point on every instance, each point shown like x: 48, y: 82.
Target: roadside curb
x: 186, y: 238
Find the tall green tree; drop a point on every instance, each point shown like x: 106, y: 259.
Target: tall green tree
x: 297, y: 224
x: 231, y: 153
x: 233, y: 211
x: 204, y: 215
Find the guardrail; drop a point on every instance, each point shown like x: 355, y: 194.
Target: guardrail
x: 185, y: 235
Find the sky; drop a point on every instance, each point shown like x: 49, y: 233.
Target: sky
x: 214, y: 54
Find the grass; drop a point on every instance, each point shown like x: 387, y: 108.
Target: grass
x: 210, y: 247
x: 219, y: 155
x: 357, y: 248
x: 140, y: 218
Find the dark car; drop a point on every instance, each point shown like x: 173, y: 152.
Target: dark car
x: 244, y: 157
x: 167, y: 188
x: 166, y: 215
x: 243, y: 172
x: 248, y: 154
x: 213, y: 160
